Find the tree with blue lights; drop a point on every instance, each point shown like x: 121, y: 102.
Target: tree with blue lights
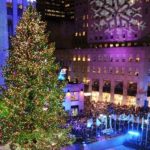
x: 31, y: 112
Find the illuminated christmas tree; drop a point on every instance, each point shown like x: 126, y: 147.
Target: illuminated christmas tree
x: 31, y: 113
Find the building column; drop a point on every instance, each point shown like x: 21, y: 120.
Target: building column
x: 125, y: 86
x: 15, y: 15
x: 100, y: 90
x: 112, y: 92
x: 3, y: 37
x: 141, y: 96
x: 90, y: 86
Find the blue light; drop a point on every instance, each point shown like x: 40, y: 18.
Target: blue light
x: 62, y: 74
x: 134, y: 133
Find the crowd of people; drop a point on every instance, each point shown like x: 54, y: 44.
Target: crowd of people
x: 94, y: 108
x: 102, y: 118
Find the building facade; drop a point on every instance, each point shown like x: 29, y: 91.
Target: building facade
x: 10, y: 14
x: 56, y: 9
x: 3, y: 37
x: 15, y: 10
x: 59, y: 15
x: 112, y: 50
x: 74, y: 98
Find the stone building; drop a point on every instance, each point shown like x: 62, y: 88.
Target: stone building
x: 111, y: 53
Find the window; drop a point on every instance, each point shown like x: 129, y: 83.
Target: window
x: 117, y: 59
x: 137, y: 73
x: 111, y: 59
x: 100, y: 58
x: 94, y: 58
x: 130, y: 59
x: 123, y: 60
x: 122, y: 71
x: 79, y: 58
x: 110, y: 70
x: 74, y: 58
x: 83, y: 58
x: 69, y: 69
x: 117, y: 71
x: 130, y: 71
x: 83, y: 33
x: 99, y: 70
x: 105, y: 70
x: 88, y: 59
x: 137, y: 59
x: 94, y: 69
x: 76, y: 34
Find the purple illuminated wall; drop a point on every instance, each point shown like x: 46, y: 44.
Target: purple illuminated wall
x: 116, y: 20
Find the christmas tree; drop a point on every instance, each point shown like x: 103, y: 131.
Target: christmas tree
x: 31, y: 112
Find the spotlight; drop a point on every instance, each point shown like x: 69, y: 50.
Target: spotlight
x: 134, y: 133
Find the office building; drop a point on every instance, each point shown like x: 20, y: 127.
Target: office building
x: 111, y: 54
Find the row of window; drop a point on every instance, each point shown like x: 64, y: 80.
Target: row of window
x: 106, y: 59
x: 80, y: 33
x: 105, y: 70
x: 84, y: 17
x: 124, y: 36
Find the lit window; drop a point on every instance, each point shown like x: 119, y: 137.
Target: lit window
x: 88, y: 59
x: 111, y: 45
x: 117, y: 71
x: 74, y: 58
x: 69, y: 78
x: 69, y: 68
x: 79, y: 58
x: 84, y: 79
x: 83, y: 17
x: 79, y: 33
x: 117, y: 45
x: 94, y: 69
x: 67, y: 5
x: 137, y: 59
x: 83, y: 33
x: 106, y: 45
x: 99, y: 70
x: 132, y: 1
x: 129, y: 44
x: 123, y: 44
x: 76, y: 34
x: 83, y: 58
x: 136, y: 73
x: 100, y: 45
